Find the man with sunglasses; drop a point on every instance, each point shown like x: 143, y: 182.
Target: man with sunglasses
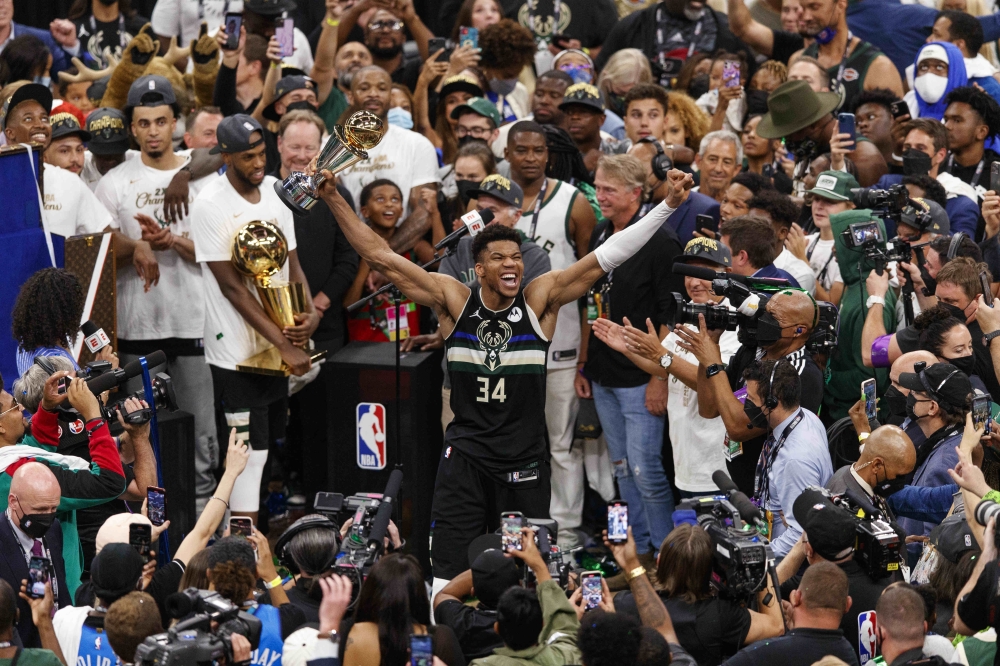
x: 385, y: 34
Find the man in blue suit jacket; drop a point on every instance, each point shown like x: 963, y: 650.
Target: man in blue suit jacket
x: 29, y: 528
x: 62, y: 50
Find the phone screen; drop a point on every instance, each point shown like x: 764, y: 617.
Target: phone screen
x: 592, y: 592
x: 241, y: 527
x: 421, y: 650
x: 139, y: 537
x: 995, y: 177
x: 899, y: 109
x: 468, y: 37
x: 510, y: 536
x: 984, y: 282
x: 868, y: 395
x: 38, y: 576
x: 981, y: 412
x: 730, y: 74
x: 845, y: 125
x: 618, y: 522
x: 234, y: 22
x: 284, y: 31
x: 156, y: 505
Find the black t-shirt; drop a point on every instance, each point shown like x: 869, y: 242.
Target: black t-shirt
x: 743, y: 467
x: 908, y: 340
x: 785, y: 45
x: 408, y: 72
x: 967, y: 173
x: 472, y: 626
x: 299, y: 597
x: 95, y: 36
x: 799, y: 647
x: 709, y: 629
x: 864, y: 593
x: 589, y: 21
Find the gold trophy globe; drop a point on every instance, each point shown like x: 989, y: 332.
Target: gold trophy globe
x: 260, y: 251
x: 348, y: 145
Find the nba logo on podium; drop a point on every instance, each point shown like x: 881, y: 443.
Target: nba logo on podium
x: 867, y: 648
x: 370, y: 431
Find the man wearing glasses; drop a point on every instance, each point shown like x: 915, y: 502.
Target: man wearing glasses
x: 384, y: 36
x: 479, y: 120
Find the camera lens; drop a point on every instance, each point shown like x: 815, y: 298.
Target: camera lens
x: 985, y: 510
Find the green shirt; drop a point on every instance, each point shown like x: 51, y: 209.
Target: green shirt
x: 34, y: 657
x: 331, y: 109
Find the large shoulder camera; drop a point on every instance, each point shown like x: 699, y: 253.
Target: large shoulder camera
x: 101, y: 377
x: 878, y: 547
x: 193, y: 639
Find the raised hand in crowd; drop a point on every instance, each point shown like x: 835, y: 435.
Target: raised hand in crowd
x: 463, y: 58
x: 991, y: 213
x: 41, y: 616
x: 678, y: 185
x: 336, y: 597
x: 580, y: 605
x: 231, y: 57
x: 840, y: 146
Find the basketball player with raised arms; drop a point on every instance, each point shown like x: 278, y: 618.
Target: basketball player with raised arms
x: 495, y: 454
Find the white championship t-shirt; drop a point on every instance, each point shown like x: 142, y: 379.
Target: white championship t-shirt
x: 71, y: 209
x: 404, y: 157
x: 90, y: 174
x: 175, y: 306
x: 217, y: 214
x: 823, y: 261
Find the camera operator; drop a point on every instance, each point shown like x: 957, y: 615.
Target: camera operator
x: 8, y: 619
x: 901, y: 628
x: 132, y: 619
x: 491, y: 575
x: 883, y: 468
x: 782, y: 332
x: 829, y: 533
x: 709, y: 627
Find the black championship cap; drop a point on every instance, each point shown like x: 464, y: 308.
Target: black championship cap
x: 461, y: 83
x: 582, y: 94
x: 830, y: 529
x: 29, y: 91
x: 285, y: 85
x: 943, y: 382
x: 115, y: 571
x: 501, y: 188
x: 150, y: 90
x: 706, y: 249
x: 108, y: 133
x: 66, y: 124
x: 493, y: 573
x: 234, y: 132
x: 952, y: 538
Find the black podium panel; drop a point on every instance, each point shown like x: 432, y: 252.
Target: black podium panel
x: 365, y: 373
x: 177, y: 457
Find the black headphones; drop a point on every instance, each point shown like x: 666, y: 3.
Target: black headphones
x: 772, y: 400
x: 956, y: 242
x: 46, y: 365
x: 661, y: 163
x: 310, y: 522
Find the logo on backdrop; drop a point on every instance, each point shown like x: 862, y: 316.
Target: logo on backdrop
x: 370, y: 430
x: 866, y: 637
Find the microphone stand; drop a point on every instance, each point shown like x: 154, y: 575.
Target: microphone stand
x: 396, y: 296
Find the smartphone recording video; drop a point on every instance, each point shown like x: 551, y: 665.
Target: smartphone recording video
x: 590, y: 582
x: 510, y: 534
x: 617, y: 521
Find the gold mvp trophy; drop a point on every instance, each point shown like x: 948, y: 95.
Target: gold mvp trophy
x: 260, y: 251
x: 348, y: 145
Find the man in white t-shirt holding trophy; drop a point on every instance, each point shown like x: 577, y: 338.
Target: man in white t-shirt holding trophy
x: 171, y: 315
x: 236, y: 325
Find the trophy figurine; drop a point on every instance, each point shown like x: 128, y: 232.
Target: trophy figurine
x: 348, y: 145
x: 260, y: 251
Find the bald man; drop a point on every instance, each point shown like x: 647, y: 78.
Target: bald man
x: 28, y: 528
x: 888, y: 456
x: 782, y: 332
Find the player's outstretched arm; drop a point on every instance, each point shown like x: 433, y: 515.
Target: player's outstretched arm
x: 443, y: 293
x: 557, y: 288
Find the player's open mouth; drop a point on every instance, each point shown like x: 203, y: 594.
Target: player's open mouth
x: 38, y: 137
x: 509, y: 280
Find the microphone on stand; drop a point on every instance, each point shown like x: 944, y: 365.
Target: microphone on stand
x: 472, y: 224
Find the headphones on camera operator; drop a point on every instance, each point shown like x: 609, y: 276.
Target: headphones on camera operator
x: 771, y: 402
x: 304, y: 524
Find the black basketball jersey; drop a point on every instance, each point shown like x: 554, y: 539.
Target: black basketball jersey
x: 496, y: 361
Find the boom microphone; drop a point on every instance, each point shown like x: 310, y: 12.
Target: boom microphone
x: 109, y: 380
x: 703, y: 273
x: 748, y: 510
x: 381, y: 523
x: 472, y: 224
x: 94, y: 336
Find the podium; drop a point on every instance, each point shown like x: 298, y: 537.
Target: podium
x: 365, y: 373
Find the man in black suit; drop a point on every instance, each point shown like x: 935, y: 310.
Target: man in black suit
x: 28, y: 528
x: 882, y: 469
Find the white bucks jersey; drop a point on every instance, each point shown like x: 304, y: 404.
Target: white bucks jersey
x: 552, y: 234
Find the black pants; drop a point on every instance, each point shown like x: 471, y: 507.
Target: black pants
x: 468, y: 503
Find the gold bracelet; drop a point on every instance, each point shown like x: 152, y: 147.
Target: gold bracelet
x: 635, y: 573
x: 333, y: 23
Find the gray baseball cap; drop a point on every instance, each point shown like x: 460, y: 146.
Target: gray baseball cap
x: 150, y: 90
x: 234, y: 134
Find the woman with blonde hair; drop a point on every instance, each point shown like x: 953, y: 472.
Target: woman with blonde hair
x: 621, y: 73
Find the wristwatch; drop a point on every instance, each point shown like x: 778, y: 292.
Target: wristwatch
x: 875, y: 299
x: 988, y: 338
x: 666, y: 360
x: 714, y: 369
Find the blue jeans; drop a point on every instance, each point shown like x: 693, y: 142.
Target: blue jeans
x: 635, y: 444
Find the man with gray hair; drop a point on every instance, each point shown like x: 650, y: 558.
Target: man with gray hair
x: 720, y: 157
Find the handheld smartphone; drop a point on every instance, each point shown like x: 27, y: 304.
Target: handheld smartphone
x: 899, y: 109
x: 705, y: 223
x: 156, y: 505
x: 421, y: 650
x: 64, y: 384
x: 38, y: 576
x: 234, y: 21
x: 731, y: 74
x: 984, y: 282
x: 590, y: 583
x: 868, y: 395
x: 995, y: 177
x: 284, y: 32
x: 468, y: 37
x: 240, y: 526
x: 617, y: 521
x: 981, y: 412
x: 511, y: 523
x: 845, y: 125
x: 437, y: 44
x: 140, y: 535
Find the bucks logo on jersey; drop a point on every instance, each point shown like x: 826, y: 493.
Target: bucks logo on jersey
x: 493, y: 338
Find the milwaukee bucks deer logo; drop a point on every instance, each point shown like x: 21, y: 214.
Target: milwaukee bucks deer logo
x: 493, y: 341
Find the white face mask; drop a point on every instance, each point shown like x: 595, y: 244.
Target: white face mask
x: 930, y: 87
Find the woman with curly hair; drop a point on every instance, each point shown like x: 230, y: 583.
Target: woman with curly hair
x: 507, y: 48
x: 685, y: 124
x: 46, y: 316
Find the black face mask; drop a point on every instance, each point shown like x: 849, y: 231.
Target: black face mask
x: 464, y: 187
x: 35, y: 525
x: 468, y: 138
x: 955, y: 311
x: 804, y: 150
x: 916, y: 163
x: 894, y: 403
x: 966, y: 364
x: 911, y: 403
x: 302, y: 104
x: 758, y: 419
x: 889, y: 486
x: 698, y: 86
x: 768, y: 330
x: 757, y: 101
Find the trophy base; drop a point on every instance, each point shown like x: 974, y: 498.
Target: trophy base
x: 269, y: 362
x: 298, y: 194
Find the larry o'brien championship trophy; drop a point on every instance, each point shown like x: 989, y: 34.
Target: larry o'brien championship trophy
x: 347, y: 146
x: 260, y: 251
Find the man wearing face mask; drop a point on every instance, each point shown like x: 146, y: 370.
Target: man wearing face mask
x: 782, y: 332
x: 888, y: 457
x: 505, y: 49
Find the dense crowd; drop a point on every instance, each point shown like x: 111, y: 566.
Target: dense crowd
x: 719, y: 371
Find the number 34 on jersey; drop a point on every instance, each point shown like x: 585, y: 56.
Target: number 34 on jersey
x: 498, y: 394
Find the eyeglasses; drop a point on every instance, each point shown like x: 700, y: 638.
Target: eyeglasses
x: 476, y: 132
x: 393, y: 26
x: 17, y: 405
